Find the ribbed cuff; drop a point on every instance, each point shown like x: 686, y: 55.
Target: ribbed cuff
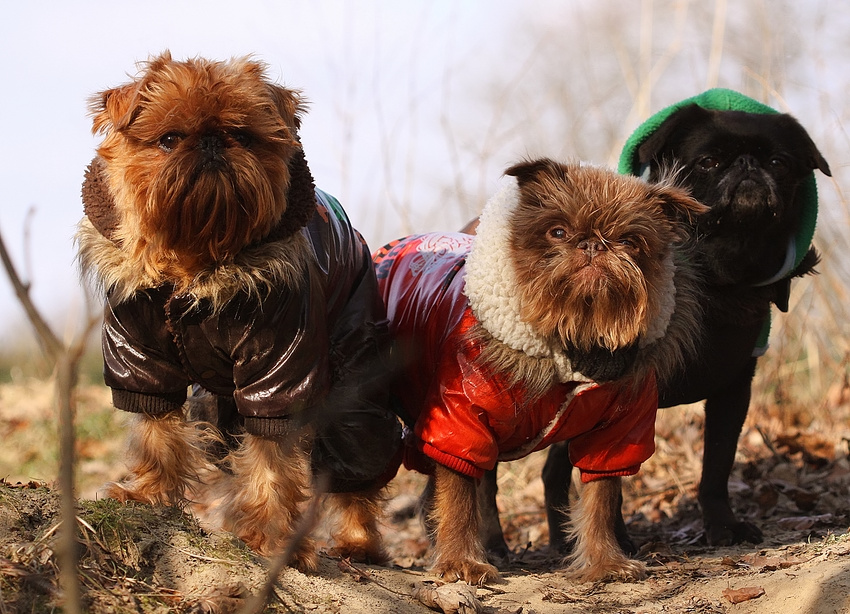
x: 590, y: 476
x: 271, y: 427
x: 452, y: 462
x: 142, y: 403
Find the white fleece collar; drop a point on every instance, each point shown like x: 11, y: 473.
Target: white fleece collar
x: 491, y: 287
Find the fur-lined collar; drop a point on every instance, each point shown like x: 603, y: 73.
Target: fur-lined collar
x: 280, y: 259
x: 491, y: 289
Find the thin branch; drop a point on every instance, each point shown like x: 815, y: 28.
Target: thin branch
x: 258, y: 602
x: 67, y: 361
x: 50, y: 344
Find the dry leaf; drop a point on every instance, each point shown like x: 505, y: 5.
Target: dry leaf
x: 802, y: 523
x: 454, y: 598
x: 739, y: 595
x: 772, y: 563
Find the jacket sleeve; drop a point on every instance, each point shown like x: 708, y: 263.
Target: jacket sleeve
x: 625, y: 439
x: 139, y: 361
x: 358, y: 436
x: 453, y: 427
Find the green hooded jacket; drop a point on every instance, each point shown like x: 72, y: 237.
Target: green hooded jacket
x: 720, y: 99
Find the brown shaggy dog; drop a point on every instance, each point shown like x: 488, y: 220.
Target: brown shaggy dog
x: 224, y: 268
x: 551, y: 324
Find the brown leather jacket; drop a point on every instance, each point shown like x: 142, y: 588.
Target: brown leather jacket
x: 315, y: 356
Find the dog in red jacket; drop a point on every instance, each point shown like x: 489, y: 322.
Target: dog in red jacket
x: 551, y: 324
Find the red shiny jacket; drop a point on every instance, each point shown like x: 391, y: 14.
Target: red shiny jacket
x: 466, y: 417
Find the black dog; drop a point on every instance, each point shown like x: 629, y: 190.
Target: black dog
x: 755, y: 171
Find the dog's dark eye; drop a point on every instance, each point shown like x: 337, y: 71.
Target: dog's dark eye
x: 708, y: 162
x: 628, y: 243
x: 167, y: 142
x: 777, y: 163
x: 557, y: 233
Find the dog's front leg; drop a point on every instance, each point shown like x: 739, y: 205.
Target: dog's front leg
x: 357, y: 535
x: 597, y: 555
x: 270, y: 481
x: 458, y: 554
x: 725, y: 413
x: 164, y: 456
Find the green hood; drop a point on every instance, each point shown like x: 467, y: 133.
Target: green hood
x: 719, y: 99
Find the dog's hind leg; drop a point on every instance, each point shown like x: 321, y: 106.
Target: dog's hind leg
x: 597, y: 555
x: 491, y: 530
x: 165, y: 454
x: 725, y: 413
x: 357, y: 535
x: 263, y: 496
x: 557, y: 476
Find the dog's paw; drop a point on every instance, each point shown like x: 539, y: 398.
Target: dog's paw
x: 471, y: 572
x: 304, y: 557
x: 497, y: 549
x: 371, y: 551
x: 130, y: 490
x: 733, y: 533
x: 615, y: 568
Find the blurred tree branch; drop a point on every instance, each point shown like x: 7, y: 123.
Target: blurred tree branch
x: 66, y: 360
x: 50, y: 344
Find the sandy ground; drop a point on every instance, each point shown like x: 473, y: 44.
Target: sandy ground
x: 794, y: 483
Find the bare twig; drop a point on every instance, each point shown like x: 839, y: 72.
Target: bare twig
x: 259, y: 601
x: 50, y: 343
x: 66, y: 360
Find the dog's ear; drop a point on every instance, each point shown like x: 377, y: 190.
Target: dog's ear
x: 532, y: 171
x: 688, y: 116
x: 114, y: 109
x: 677, y: 202
x: 118, y: 107
x: 804, y: 146
x: 289, y: 103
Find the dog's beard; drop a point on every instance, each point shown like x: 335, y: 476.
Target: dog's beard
x: 193, y: 211
x: 207, y: 215
x: 585, y: 305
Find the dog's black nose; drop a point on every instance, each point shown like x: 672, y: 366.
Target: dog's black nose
x: 212, y: 146
x: 592, y: 247
x: 749, y: 162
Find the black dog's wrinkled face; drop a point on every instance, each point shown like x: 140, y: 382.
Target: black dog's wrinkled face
x: 747, y: 167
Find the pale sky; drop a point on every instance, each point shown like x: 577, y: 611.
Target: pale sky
x: 395, y: 86
x: 363, y: 65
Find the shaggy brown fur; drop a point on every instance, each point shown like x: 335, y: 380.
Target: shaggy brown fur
x: 357, y: 534
x: 600, y: 261
x: 458, y: 554
x: 593, y: 244
x: 597, y: 556
x: 269, y: 478
x: 174, y: 222
x: 201, y: 185
x: 164, y: 456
